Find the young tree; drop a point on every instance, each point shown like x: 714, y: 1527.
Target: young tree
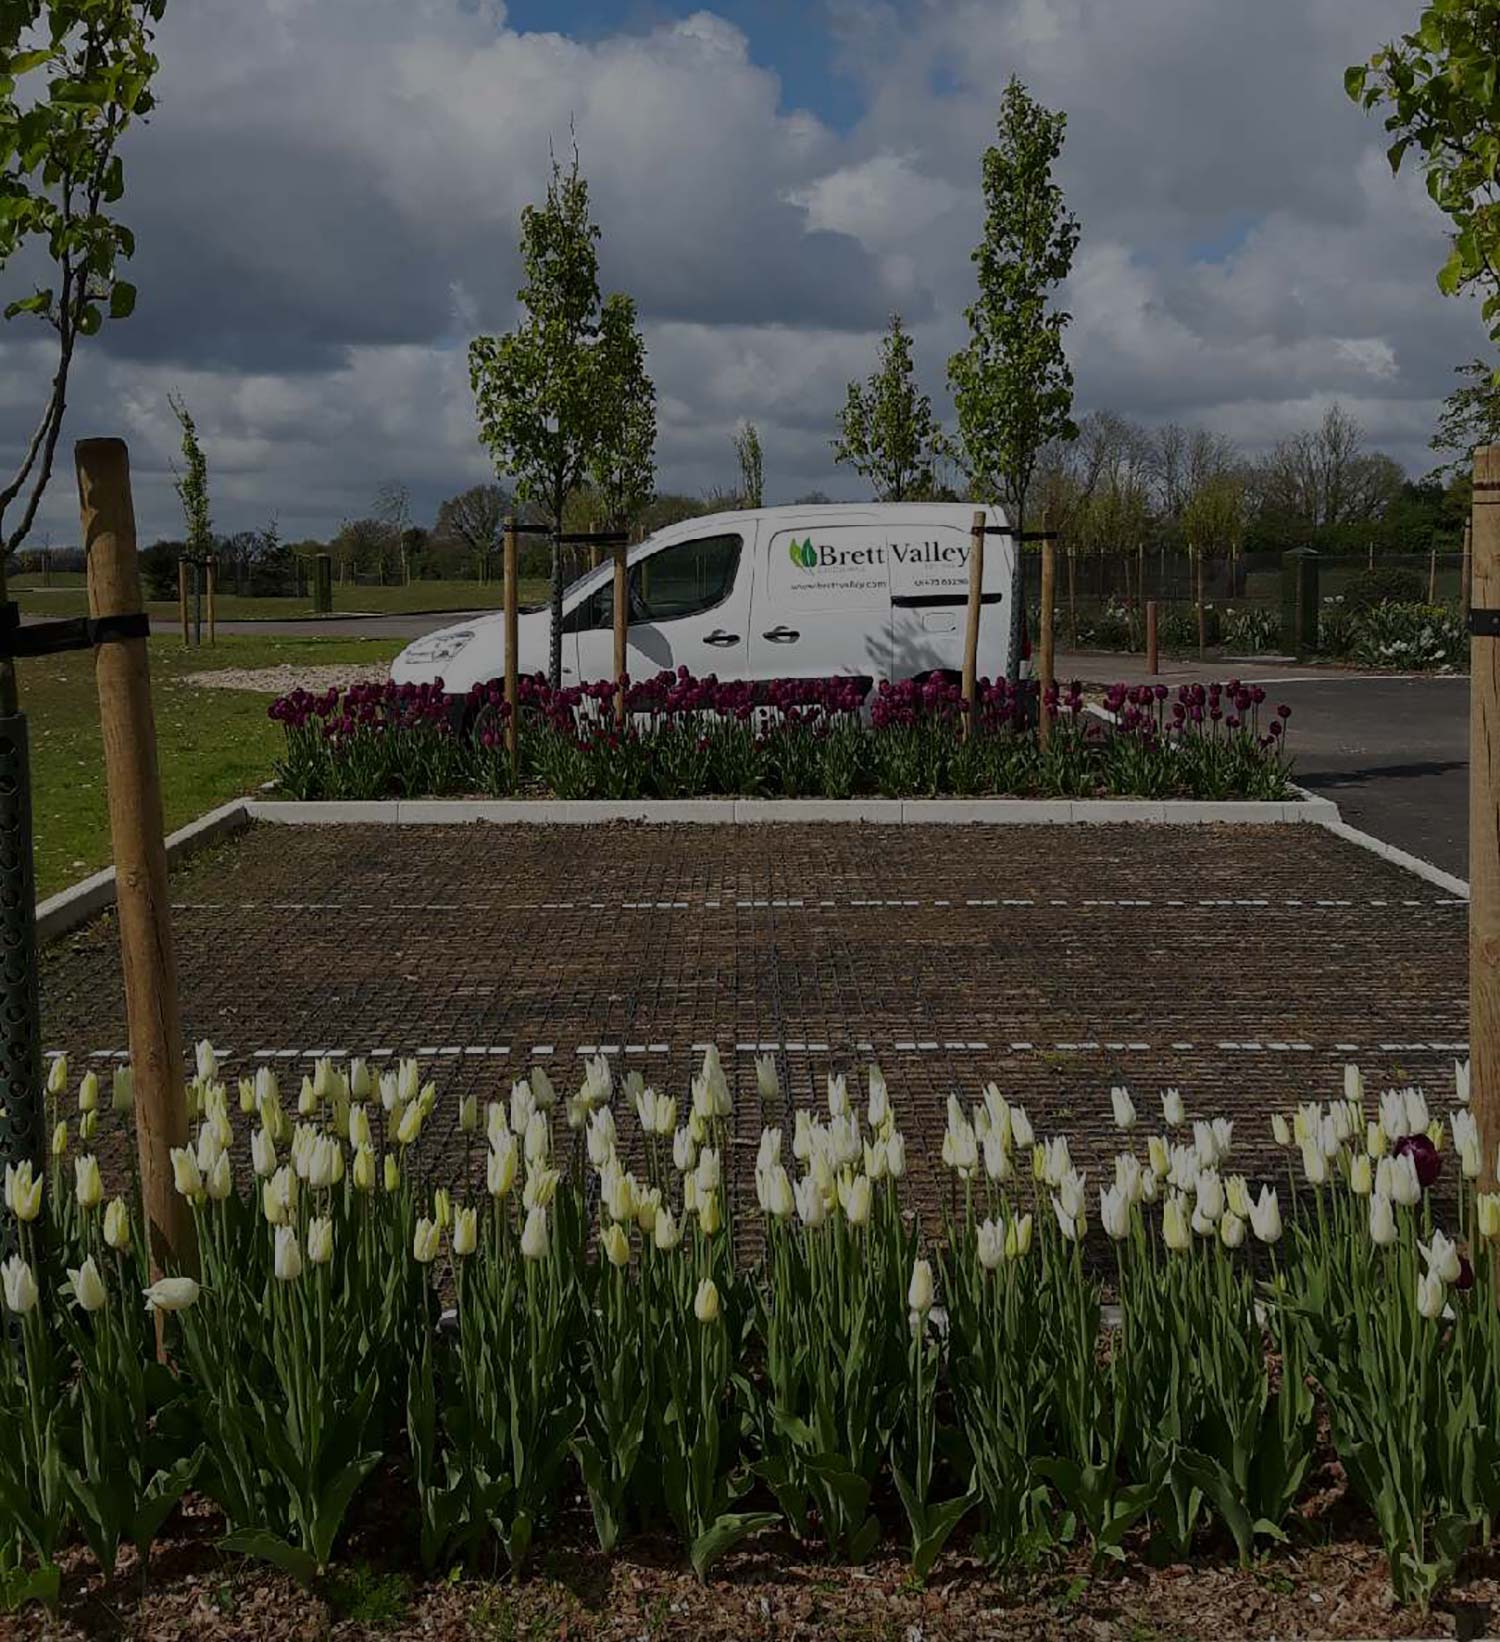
x: 1011, y: 385
x: 536, y: 389
x: 74, y: 74
x: 191, y: 485
x: 1437, y: 85
x: 752, y: 470
x: 393, y: 509
x: 623, y: 465
x: 887, y: 432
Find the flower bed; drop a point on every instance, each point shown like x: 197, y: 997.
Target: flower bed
x: 520, y: 1315
x: 685, y: 738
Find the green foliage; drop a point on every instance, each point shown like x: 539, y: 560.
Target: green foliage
x: 192, y: 484
x: 887, y: 432
x: 74, y: 75
x: 623, y: 465
x: 1012, y: 387
x: 1385, y: 584
x: 747, y: 453
x: 1470, y: 417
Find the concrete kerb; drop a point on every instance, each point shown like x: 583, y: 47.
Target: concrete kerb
x: 65, y: 911
x: 95, y: 894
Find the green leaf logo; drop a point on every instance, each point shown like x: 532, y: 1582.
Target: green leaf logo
x: 803, y: 554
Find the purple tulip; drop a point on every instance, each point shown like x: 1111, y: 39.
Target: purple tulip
x: 1427, y: 1158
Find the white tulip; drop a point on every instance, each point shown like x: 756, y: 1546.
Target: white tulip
x: 19, y: 1284
x: 1393, y: 1115
x: 538, y: 1145
x: 1265, y: 1216
x: 1018, y: 1238
x: 426, y: 1241
x: 1210, y: 1203
x: 667, y: 1233
x: 287, y: 1259
x: 1280, y: 1131
x: 710, y: 1176
x: 1055, y: 1160
x: 1020, y: 1128
x: 768, y: 1153
x: 320, y: 1240
x: 1354, y: 1084
x: 1232, y: 1231
x: 1461, y: 1082
x: 500, y: 1172
x: 991, y: 1244
x: 767, y: 1084
x: 1314, y: 1162
x: 895, y: 1154
x: 117, y: 1225
x: 363, y: 1171
x: 207, y: 1061
x: 1124, y: 1107
x: 88, y: 1187
x: 706, y: 1302
x: 684, y: 1151
x: 87, y: 1286
x: 1071, y: 1226
x: 997, y: 1164
x: 57, y: 1075
x: 1114, y: 1213
x: 1430, y: 1297
x: 878, y: 1107
x: 1382, y: 1220
x: 534, y: 1234
x: 997, y: 1110
x: 601, y: 1138
x: 465, y: 1232
x: 1406, y: 1188
x: 1175, y: 1229
x: 1172, y: 1112
x: 1361, y: 1175
x: 171, y: 1294
x: 811, y: 1209
x: 919, y: 1292
x: 1441, y: 1255
x: 1159, y: 1156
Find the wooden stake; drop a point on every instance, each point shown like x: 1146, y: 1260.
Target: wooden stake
x: 182, y: 602
x: 622, y: 620
x: 971, y: 632
x: 1072, y: 605
x: 1432, y: 575
x: 128, y: 731
x: 1484, y: 818
x: 512, y: 640
x: 213, y: 587
x: 1151, y: 650
x: 1045, y: 646
x: 1202, y: 624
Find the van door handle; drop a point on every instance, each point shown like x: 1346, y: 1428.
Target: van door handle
x: 782, y: 635
x: 721, y: 638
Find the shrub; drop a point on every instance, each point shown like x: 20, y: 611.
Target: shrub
x: 1384, y: 584
x: 1410, y: 636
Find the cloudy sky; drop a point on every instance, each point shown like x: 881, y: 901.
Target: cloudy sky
x: 327, y: 204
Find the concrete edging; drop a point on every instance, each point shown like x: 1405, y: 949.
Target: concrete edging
x: 95, y: 894
x: 760, y: 811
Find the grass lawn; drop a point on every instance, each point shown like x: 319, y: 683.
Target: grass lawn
x: 66, y: 597
x: 211, y: 744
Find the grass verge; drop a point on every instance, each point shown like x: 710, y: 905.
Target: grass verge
x: 211, y: 744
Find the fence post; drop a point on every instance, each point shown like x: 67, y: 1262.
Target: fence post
x: 1299, y: 600
x: 1049, y: 575
x: 182, y: 600
x: 128, y: 732
x: 971, y: 631
x: 622, y: 619
x: 1072, y: 604
x: 322, y: 587
x: 512, y: 676
x: 212, y: 572
x: 1151, y: 650
x: 1484, y: 811
x: 1202, y: 624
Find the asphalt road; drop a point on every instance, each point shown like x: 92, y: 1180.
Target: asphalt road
x: 1392, y: 753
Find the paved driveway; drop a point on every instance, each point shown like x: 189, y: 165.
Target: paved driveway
x: 1393, y: 754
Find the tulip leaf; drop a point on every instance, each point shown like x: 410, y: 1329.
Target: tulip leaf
x: 23, y: 1585
x: 725, y: 1533
x: 334, y: 1502
x: 262, y: 1544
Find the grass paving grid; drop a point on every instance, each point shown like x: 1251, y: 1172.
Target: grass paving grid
x: 953, y: 955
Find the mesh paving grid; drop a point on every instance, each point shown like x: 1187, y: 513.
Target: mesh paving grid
x: 1243, y: 965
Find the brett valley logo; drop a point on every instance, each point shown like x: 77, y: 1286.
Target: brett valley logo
x: 871, y: 555
x: 804, y: 554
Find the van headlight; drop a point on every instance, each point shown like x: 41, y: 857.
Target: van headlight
x: 437, y: 646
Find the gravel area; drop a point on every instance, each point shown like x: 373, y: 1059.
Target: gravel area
x: 279, y: 681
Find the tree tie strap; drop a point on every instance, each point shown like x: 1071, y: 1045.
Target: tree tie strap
x: 50, y: 638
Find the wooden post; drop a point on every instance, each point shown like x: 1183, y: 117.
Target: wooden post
x: 1484, y: 814
x: 1464, y: 573
x: 1045, y: 644
x: 1072, y: 604
x: 213, y: 585
x: 182, y: 581
x: 1152, y: 658
x: 971, y: 632
x: 128, y: 731
x: 1202, y: 624
x: 622, y: 619
x: 512, y: 677
x: 1432, y: 574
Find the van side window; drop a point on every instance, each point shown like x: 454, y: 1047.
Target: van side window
x: 685, y: 579
x: 596, y: 611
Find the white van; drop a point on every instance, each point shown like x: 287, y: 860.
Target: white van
x: 874, y: 591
